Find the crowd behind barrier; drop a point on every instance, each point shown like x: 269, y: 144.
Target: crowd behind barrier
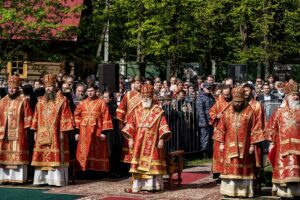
x: 69, y: 125
x: 176, y: 97
x: 183, y: 121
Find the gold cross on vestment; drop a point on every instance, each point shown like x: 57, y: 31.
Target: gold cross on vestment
x: 236, y: 123
x: 10, y: 108
x: 244, y: 115
x: 289, y: 120
x: 47, y: 111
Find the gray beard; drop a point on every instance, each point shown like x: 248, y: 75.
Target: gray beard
x: 147, y: 104
x: 294, y: 105
x: 50, y: 96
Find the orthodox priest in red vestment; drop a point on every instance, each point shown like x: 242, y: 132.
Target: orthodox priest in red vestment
x: 238, y: 132
x: 146, y: 131
x: 130, y: 101
x: 256, y: 106
x: 216, y: 112
x: 92, y: 118
x: 259, y: 150
x: 15, y: 118
x: 51, y: 122
x: 284, y: 134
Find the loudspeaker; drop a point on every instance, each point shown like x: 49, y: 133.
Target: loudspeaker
x: 108, y: 75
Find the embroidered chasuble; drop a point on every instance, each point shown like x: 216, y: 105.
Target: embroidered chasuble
x: 51, y: 121
x: 146, y: 127
x: 15, y: 118
x: 238, y: 130
x: 284, y: 131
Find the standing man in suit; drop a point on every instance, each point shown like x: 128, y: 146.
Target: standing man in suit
x: 266, y: 99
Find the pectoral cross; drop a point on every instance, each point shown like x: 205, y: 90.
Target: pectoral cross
x: 289, y: 120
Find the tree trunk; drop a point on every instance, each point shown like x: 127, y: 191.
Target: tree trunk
x: 244, y: 36
x: 101, y: 42
x: 269, y: 65
x: 142, y: 69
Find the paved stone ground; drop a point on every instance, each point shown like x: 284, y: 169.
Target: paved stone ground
x: 204, y: 188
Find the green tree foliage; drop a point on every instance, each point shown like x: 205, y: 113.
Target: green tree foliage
x: 261, y: 32
x: 23, y: 24
x: 257, y: 32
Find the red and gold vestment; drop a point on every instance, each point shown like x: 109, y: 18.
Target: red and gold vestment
x: 237, y: 131
x: 92, y: 118
x: 260, y: 118
x: 52, y: 119
x: 219, y: 107
x: 284, y: 131
x: 130, y: 101
x: 146, y: 127
x: 15, y: 118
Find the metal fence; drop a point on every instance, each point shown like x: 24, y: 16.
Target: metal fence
x: 183, y: 122
x: 270, y: 107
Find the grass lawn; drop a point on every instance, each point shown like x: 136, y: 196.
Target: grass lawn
x: 194, y: 161
x: 32, y: 194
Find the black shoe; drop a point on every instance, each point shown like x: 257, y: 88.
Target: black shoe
x: 216, y: 175
x: 218, y: 181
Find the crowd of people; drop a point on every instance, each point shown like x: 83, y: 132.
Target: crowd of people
x: 46, y: 123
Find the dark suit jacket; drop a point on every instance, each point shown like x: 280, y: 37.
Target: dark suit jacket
x: 260, y: 98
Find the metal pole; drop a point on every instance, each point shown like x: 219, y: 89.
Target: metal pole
x: 106, y: 37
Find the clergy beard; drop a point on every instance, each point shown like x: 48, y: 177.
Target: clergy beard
x: 227, y: 99
x: 147, y: 103
x: 50, y: 96
x: 238, y: 108
x: 294, y: 105
x: 13, y: 96
x: 249, y: 98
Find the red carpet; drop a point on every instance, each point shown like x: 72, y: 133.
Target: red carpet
x: 119, y: 198
x: 190, y: 177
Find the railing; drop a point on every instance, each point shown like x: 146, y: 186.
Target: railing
x: 270, y: 107
x: 183, y: 122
